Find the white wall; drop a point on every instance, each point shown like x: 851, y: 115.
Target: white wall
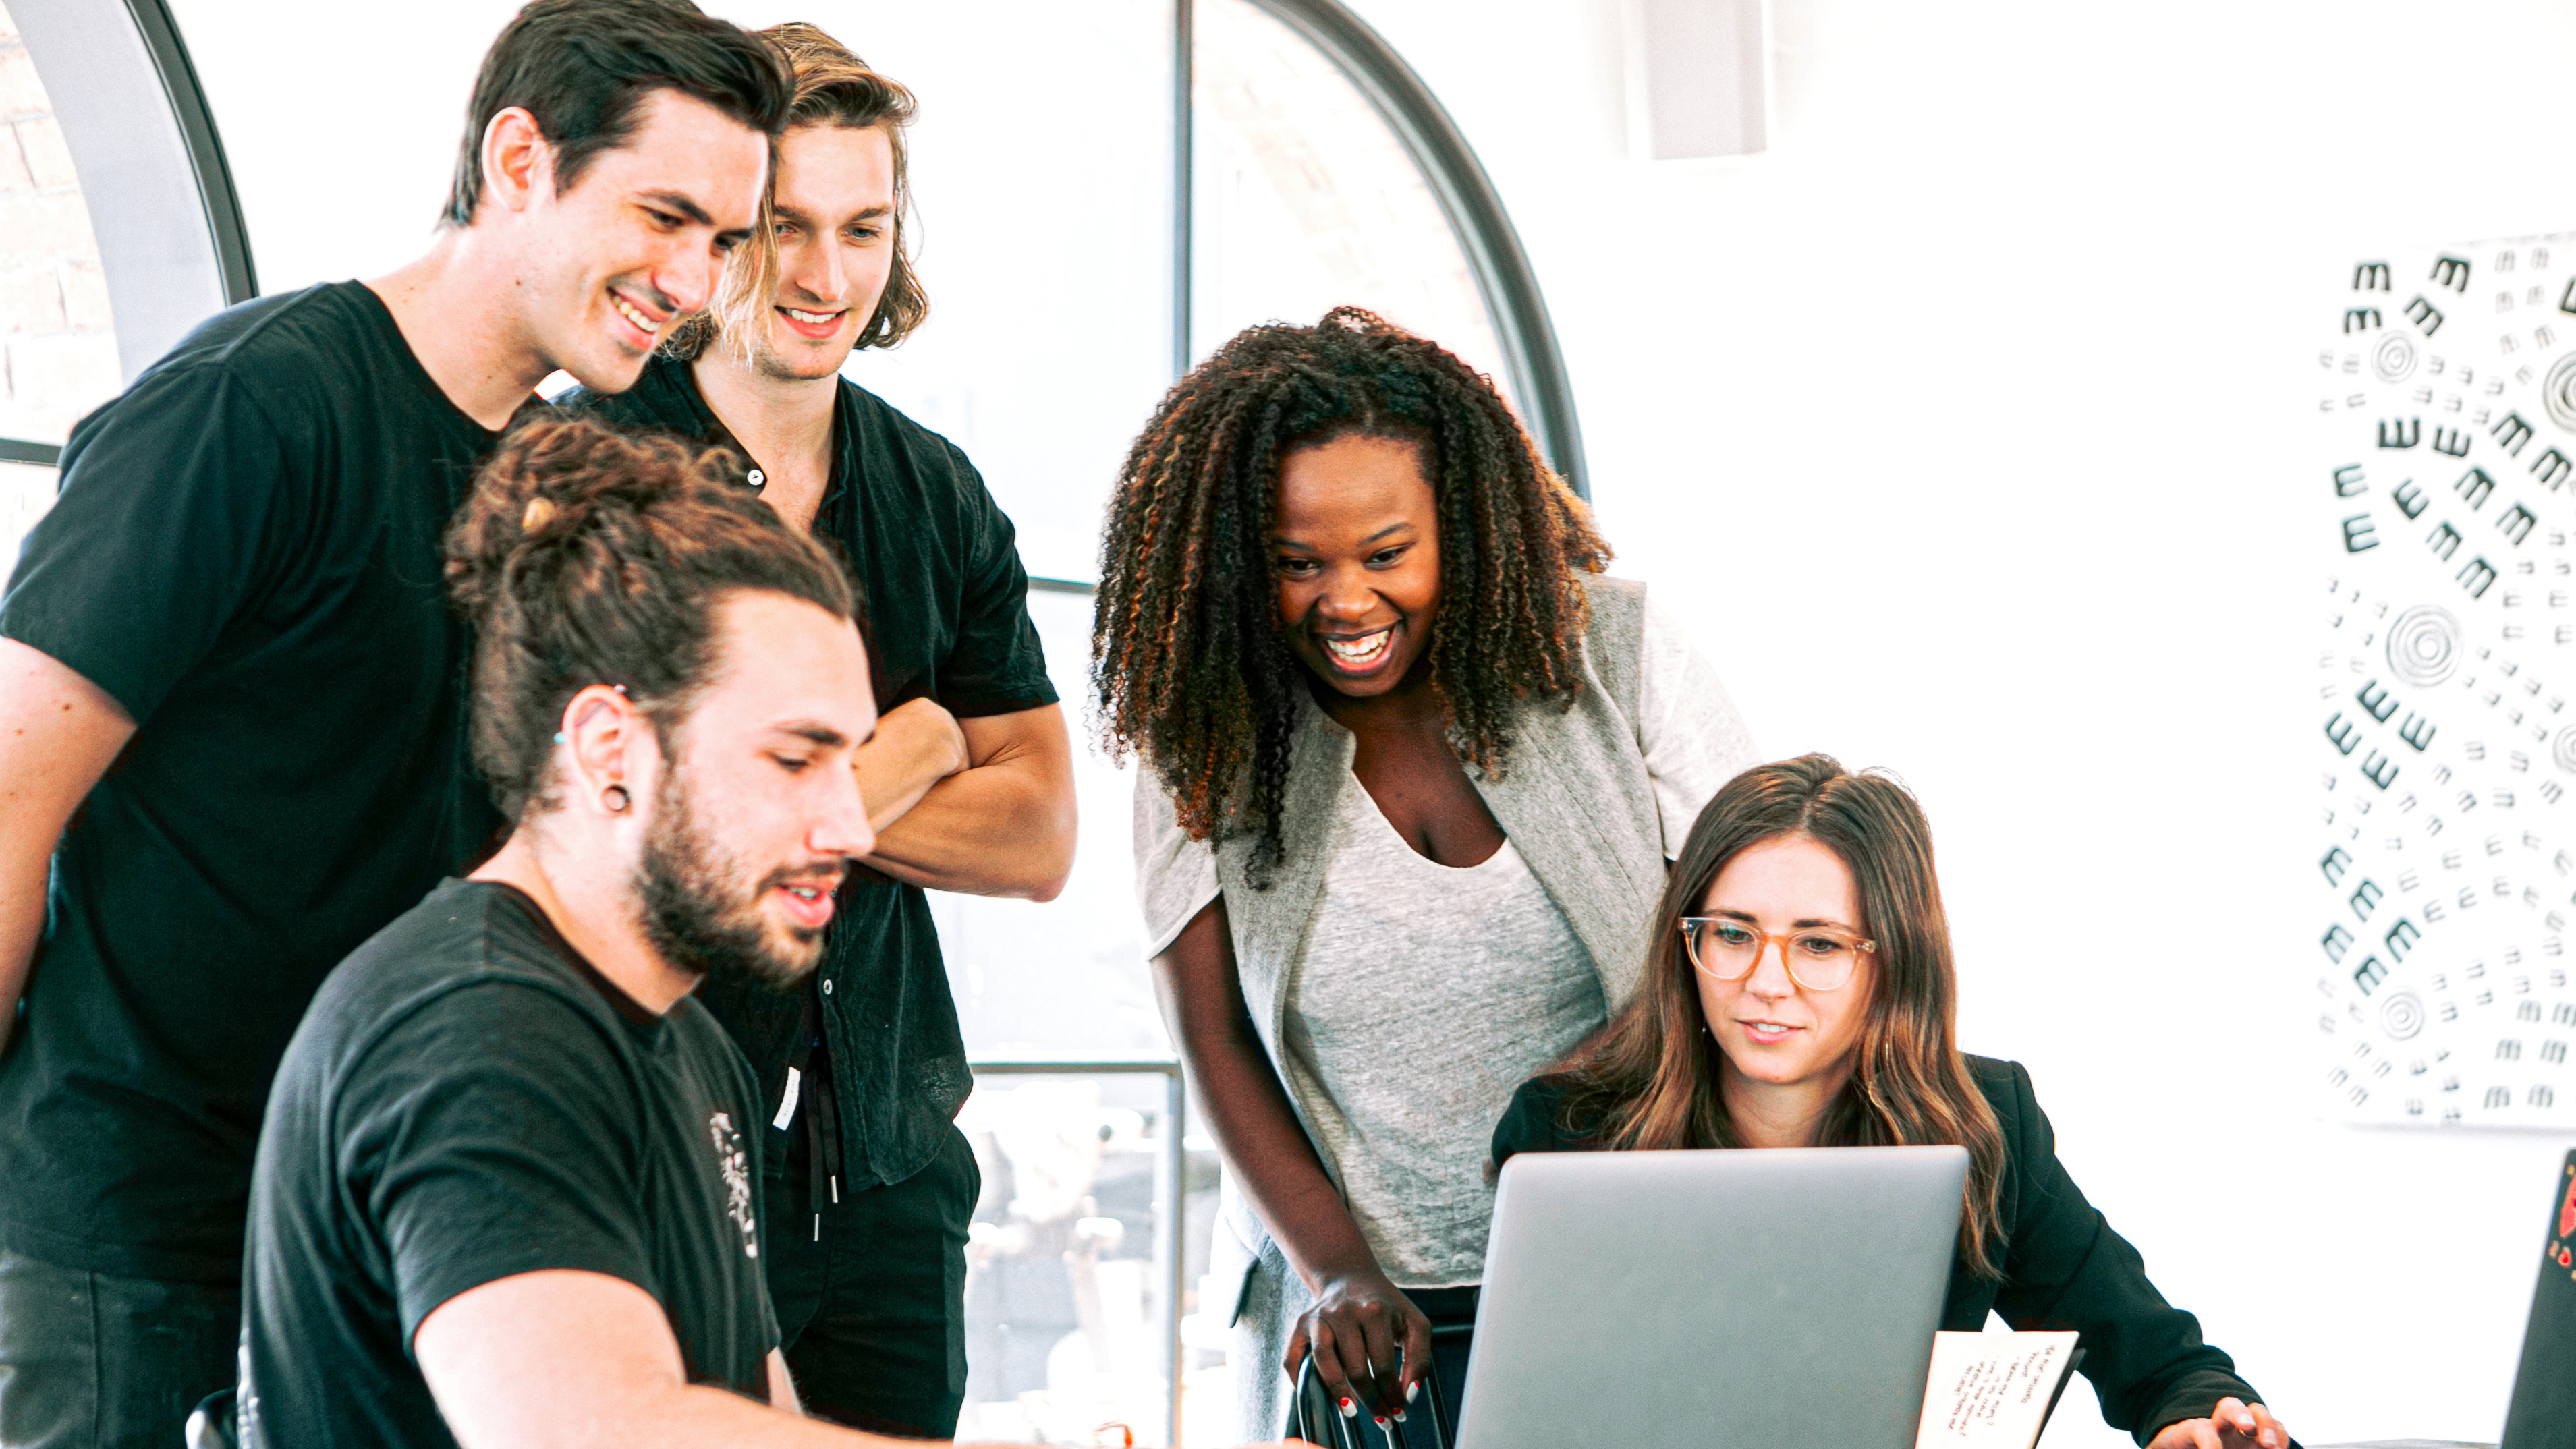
x: 1965, y: 429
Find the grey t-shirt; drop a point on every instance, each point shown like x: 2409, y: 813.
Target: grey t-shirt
x: 1692, y: 741
x: 1403, y: 951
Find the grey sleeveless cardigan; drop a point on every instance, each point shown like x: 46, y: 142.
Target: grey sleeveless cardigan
x: 1575, y: 799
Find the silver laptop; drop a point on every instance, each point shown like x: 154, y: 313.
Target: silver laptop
x: 1762, y: 1299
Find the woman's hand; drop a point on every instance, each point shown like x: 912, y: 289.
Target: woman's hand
x: 2234, y: 1424
x: 1371, y: 1345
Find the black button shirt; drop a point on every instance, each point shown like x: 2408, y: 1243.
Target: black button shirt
x: 947, y: 606
x: 245, y: 555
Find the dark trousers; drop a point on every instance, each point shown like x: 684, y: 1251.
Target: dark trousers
x: 100, y: 1362
x: 871, y: 1291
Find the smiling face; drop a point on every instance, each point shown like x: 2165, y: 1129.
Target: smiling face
x: 1774, y: 1033
x: 759, y: 816
x: 834, y: 208
x: 1356, y: 550
x: 639, y: 239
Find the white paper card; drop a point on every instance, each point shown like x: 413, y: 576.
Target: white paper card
x: 1991, y: 1390
x: 787, y: 1105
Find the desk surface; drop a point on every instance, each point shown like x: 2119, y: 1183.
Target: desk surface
x: 2406, y: 1444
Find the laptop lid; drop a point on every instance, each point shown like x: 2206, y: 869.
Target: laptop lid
x: 1744, y: 1298
x: 2543, y: 1412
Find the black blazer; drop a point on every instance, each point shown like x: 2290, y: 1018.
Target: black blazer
x: 2063, y: 1266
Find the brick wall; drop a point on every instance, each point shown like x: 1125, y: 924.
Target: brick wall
x: 57, y: 352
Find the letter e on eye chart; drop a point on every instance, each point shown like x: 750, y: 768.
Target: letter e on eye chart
x: 2442, y: 713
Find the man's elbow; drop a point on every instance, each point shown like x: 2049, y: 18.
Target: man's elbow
x: 1051, y: 866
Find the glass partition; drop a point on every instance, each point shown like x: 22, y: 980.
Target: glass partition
x: 1041, y: 169
x: 57, y: 335
x: 1071, y: 1284
x: 1305, y: 200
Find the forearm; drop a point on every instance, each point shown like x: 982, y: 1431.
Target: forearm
x: 1249, y: 1113
x: 558, y: 1359
x: 1004, y: 825
x: 899, y: 767
x: 1275, y: 1165
x: 1001, y: 829
x: 694, y: 1415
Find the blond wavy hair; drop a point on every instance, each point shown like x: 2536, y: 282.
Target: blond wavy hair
x: 833, y: 88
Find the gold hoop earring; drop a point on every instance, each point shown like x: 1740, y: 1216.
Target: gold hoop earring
x: 621, y: 801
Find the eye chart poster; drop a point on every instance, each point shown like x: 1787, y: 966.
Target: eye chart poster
x: 2445, y: 706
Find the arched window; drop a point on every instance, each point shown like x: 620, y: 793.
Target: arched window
x: 1107, y: 189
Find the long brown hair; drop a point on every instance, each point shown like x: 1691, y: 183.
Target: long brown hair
x: 1649, y: 1078
x: 1186, y: 652
x: 833, y: 88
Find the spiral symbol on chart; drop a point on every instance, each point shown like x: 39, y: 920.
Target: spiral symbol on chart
x: 2424, y: 646
x: 2394, y: 358
x: 2558, y: 392
x: 2402, y: 1015
x: 2562, y: 750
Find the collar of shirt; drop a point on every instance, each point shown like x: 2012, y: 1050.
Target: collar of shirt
x: 681, y: 380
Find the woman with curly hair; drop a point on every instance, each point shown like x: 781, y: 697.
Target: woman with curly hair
x: 1414, y: 769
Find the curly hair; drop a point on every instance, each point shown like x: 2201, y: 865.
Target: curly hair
x: 1189, y: 664
x: 585, y: 556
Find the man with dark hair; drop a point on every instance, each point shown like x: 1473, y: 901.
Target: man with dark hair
x: 508, y: 1184
x: 236, y: 602
x: 970, y: 775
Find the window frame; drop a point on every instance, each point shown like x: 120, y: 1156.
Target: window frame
x: 160, y: 194
x: 1532, y: 357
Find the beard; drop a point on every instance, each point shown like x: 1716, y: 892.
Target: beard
x: 694, y: 916
x: 767, y: 361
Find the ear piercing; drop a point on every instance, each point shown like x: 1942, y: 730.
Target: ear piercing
x: 616, y: 799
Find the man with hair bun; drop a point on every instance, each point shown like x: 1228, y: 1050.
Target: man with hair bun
x: 235, y: 600
x: 970, y: 776
x: 507, y: 1189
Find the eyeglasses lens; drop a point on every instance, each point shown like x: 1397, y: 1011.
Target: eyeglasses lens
x: 1730, y: 951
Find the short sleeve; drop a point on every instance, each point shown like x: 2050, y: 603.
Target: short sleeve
x: 1688, y: 729
x: 158, y: 539
x: 1175, y: 875
x: 997, y: 666
x: 474, y: 1167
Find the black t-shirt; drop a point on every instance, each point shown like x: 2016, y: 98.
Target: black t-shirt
x: 245, y: 555
x: 2063, y: 1266
x: 469, y: 1100
x: 947, y: 604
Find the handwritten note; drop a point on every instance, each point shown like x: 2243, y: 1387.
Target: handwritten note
x: 1993, y: 1390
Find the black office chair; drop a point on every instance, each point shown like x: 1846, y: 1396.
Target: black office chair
x: 1313, y: 1417
x: 211, y: 1425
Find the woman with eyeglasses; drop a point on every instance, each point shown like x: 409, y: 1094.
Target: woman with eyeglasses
x: 1413, y: 770
x: 1798, y: 992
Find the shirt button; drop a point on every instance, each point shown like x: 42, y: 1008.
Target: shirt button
x: 755, y: 478
x: 827, y: 988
